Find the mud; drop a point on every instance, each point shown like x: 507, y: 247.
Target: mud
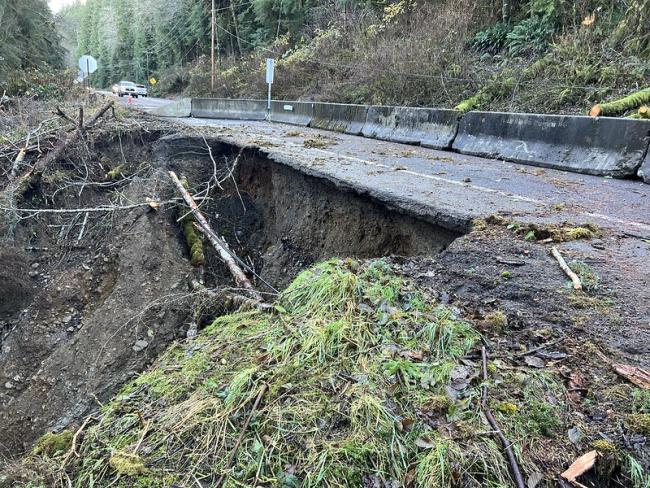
x: 108, y: 292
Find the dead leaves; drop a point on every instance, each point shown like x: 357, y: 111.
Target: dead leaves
x: 318, y: 142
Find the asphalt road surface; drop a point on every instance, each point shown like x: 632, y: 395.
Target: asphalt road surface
x: 444, y: 187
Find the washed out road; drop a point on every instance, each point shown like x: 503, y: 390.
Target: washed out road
x: 451, y: 190
x: 444, y: 187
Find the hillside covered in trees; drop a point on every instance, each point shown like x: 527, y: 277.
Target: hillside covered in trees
x: 28, y: 39
x: 537, y: 55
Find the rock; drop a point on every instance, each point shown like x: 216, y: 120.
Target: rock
x: 140, y: 345
x: 9, y: 385
x: 35, y: 265
x: 66, y: 319
x: 33, y: 274
x: 70, y: 329
x: 598, y: 244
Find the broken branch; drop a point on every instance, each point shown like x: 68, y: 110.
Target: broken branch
x: 75, y: 438
x: 93, y: 120
x: 577, y: 285
x: 219, y: 245
x: 65, y: 116
x: 233, y: 452
x: 507, y: 446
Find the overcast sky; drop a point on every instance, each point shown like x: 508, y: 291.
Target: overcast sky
x: 57, y: 5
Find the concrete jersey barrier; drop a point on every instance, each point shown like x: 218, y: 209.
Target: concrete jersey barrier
x: 224, y: 108
x: 644, y: 170
x: 296, y: 113
x: 177, y: 108
x: 598, y: 146
x: 339, y: 117
x: 429, y: 127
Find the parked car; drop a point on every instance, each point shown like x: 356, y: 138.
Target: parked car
x: 141, y: 90
x: 125, y: 88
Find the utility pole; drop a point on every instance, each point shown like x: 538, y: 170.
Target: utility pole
x: 212, y: 71
x: 148, y: 73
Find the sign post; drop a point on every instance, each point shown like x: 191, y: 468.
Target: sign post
x: 270, y: 68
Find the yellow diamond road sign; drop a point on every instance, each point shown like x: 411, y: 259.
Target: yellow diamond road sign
x: 152, y: 81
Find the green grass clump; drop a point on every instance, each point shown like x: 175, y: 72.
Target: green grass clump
x: 641, y: 400
x: 637, y: 475
x: 356, y: 365
x: 589, y: 278
x: 127, y: 464
x: 497, y: 319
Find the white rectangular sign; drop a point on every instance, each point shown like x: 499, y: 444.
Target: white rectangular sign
x: 269, y: 70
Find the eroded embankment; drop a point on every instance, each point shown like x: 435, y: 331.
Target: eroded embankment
x: 370, y: 372
x: 106, y: 291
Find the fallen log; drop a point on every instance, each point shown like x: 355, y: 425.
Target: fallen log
x: 616, y: 107
x: 219, y: 245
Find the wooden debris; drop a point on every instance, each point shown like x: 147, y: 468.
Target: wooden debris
x: 634, y: 374
x: 507, y: 445
x: 220, y: 246
x: 577, y: 284
x: 233, y: 452
x: 580, y: 466
x: 510, y: 262
x: 55, y: 153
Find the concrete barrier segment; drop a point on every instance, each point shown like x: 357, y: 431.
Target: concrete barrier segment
x: 339, y: 117
x: 429, y: 127
x: 177, y: 108
x: 600, y: 146
x: 296, y: 113
x: 223, y: 108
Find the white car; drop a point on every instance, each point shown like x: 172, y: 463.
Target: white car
x: 141, y: 90
x: 125, y: 88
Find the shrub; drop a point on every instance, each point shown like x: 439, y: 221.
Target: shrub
x: 492, y: 39
x: 530, y: 36
x: 42, y: 83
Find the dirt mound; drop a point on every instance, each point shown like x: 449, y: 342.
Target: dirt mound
x: 357, y: 377
x: 389, y: 350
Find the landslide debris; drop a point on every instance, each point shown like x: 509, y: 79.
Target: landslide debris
x: 357, y: 377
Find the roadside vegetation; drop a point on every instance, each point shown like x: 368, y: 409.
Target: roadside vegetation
x: 30, y: 51
x: 544, y: 56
